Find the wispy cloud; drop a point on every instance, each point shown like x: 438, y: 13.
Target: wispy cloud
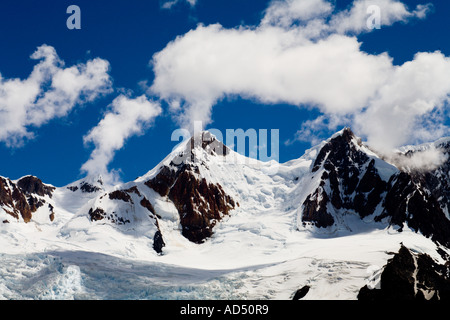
x: 126, y: 117
x: 168, y: 4
x: 50, y: 91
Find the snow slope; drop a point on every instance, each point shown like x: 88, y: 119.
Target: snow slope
x: 260, y: 249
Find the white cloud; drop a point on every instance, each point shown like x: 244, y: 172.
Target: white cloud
x: 319, y: 16
x: 311, y: 130
x: 423, y: 158
x: 125, y: 118
x: 270, y: 64
x: 170, y: 3
x: 355, y: 18
x: 286, y: 13
x: 50, y: 91
x: 408, y: 106
x: 306, y: 52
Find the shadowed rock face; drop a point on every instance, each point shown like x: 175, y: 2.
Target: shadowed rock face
x: 88, y: 185
x: 200, y: 204
x: 408, y: 202
x: 350, y: 182
x: 409, y: 276
x: 158, y: 242
x: 25, y: 197
x: 88, y: 188
x: 419, y: 198
x: 301, y: 293
x: 437, y: 181
x: 31, y: 184
x: 315, y: 209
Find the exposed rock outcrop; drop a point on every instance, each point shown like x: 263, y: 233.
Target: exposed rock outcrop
x: 23, y: 198
x: 410, y: 276
x: 129, y: 208
x: 200, y: 204
x: 351, y: 183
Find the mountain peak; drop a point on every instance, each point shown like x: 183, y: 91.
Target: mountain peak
x: 194, y: 149
x: 31, y: 184
x: 345, y: 133
x: 343, y: 146
x: 208, y: 142
x: 88, y: 184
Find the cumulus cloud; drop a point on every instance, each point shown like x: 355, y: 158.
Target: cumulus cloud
x: 126, y: 117
x: 307, y: 53
x: 409, y: 106
x: 50, y: 91
x: 319, y: 17
x: 286, y: 13
x: 269, y: 64
x: 354, y: 19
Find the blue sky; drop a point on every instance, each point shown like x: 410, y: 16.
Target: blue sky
x: 127, y: 34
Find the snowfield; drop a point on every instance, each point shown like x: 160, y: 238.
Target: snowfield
x: 248, y: 266
x: 261, y: 250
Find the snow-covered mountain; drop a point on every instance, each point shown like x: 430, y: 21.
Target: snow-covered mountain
x: 210, y: 223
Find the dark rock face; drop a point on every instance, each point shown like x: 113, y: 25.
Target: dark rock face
x: 369, y: 191
x: 341, y: 186
x: 163, y: 181
x: 438, y: 181
x: 315, y: 210
x: 350, y: 182
x: 301, y: 293
x: 34, y: 185
x: 25, y: 197
x: 6, y: 199
x: 114, y: 217
x: 409, y: 276
x: 21, y: 204
x: 120, y: 195
x: 147, y: 204
x: 412, y: 201
x: 97, y: 214
x: 200, y: 204
x: 158, y: 242
x: 425, y: 215
x: 88, y: 188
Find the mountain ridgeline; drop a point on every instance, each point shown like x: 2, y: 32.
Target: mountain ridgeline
x: 203, y: 182
x: 351, y: 182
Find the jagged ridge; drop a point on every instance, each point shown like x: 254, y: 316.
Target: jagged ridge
x: 351, y: 182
